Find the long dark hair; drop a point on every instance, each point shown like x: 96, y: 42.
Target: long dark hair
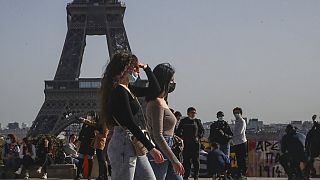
x: 164, y: 73
x: 112, y: 75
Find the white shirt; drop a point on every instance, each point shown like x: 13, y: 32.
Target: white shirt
x: 239, y: 132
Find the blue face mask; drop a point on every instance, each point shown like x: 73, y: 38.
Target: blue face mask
x: 8, y: 141
x: 133, y: 76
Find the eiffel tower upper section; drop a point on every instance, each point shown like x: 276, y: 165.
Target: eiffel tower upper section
x: 67, y: 93
x: 90, y: 17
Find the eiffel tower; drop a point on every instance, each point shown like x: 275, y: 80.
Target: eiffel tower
x: 67, y: 96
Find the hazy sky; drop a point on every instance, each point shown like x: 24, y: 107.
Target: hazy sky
x: 263, y: 56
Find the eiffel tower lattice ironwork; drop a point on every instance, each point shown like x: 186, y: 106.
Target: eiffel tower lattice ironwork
x: 67, y: 96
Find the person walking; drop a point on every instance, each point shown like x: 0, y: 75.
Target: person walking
x: 312, y: 146
x: 118, y: 107
x: 293, y: 153
x: 161, y: 125
x: 45, y: 154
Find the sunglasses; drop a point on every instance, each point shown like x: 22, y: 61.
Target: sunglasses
x: 193, y: 112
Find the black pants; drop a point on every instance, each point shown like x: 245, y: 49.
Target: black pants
x: 102, y: 163
x: 310, y: 170
x: 46, y: 160
x: 241, y: 155
x: 90, y: 161
x: 290, y: 164
x: 27, y: 161
x: 191, y: 153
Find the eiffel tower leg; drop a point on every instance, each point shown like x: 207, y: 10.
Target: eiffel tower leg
x: 116, y: 35
x: 51, y: 113
x: 71, y: 58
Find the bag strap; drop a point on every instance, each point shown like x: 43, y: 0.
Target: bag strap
x: 115, y: 119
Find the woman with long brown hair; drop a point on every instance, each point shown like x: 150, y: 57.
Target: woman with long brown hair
x: 119, y: 106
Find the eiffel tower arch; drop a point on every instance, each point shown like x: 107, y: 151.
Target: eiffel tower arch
x: 67, y: 96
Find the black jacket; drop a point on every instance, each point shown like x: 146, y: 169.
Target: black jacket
x: 292, y: 144
x: 86, y: 137
x: 313, y: 141
x: 217, y: 136
x: 190, y: 129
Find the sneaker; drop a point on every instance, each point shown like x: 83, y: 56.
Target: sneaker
x: 39, y: 170
x: 44, y: 176
x: 26, y: 175
x: 18, y: 171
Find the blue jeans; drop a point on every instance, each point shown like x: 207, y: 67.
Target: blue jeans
x: 225, y: 148
x: 124, y: 162
x: 164, y: 171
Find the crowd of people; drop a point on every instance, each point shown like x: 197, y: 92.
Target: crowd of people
x: 168, y: 147
x: 163, y: 126
x: 20, y: 157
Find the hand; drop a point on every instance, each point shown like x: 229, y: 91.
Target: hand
x: 157, y: 156
x: 178, y: 168
x: 81, y: 119
x: 143, y: 66
x: 221, y: 131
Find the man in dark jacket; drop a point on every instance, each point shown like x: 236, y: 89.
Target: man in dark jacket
x: 313, y: 146
x: 190, y: 129
x: 292, y: 147
x: 221, y: 133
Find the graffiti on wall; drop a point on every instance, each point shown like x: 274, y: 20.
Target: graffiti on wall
x: 263, y: 159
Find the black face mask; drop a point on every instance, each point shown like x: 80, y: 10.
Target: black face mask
x: 171, y: 87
